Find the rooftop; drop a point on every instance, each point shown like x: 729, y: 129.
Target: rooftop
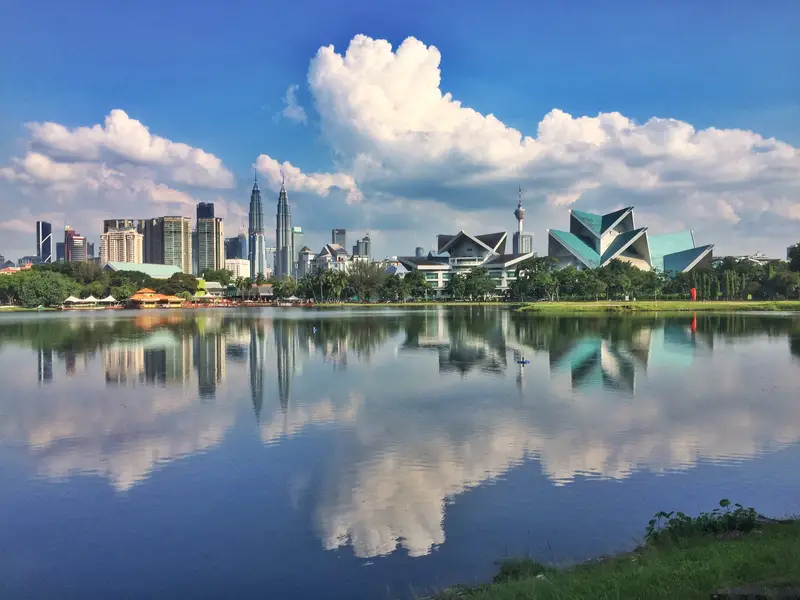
x: 154, y: 271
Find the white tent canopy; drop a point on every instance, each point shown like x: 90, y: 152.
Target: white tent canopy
x: 89, y: 298
x: 108, y: 299
x: 72, y: 300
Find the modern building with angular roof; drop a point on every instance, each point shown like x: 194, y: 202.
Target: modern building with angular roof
x: 595, y: 240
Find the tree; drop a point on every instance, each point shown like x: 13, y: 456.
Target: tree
x: 42, y: 288
x: 365, y: 279
x: 418, y: 287
x: 478, y: 284
x: 177, y: 283
x: 261, y: 279
x: 394, y: 288
x: 123, y: 291
x: 794, y: 258
x: 223, y: 276
x: 284, y: 287
x: 456, y: 287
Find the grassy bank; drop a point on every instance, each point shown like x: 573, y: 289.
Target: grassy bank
x: 8, y: 309
x: 689, y: 562
x: 405, y: 304
x: 661, y: 306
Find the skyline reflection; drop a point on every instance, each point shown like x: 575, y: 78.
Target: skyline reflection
x: 413, y: 407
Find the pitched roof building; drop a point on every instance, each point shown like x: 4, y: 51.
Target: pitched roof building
x: 595, y: 240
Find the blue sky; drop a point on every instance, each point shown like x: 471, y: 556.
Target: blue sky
x: 214, y: 75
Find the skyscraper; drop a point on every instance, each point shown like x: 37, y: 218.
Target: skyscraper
x: 210, y: 244
x: 121, y: 245
x: 255, y: 231
x: 60, y: 252
x: 297, y: 243
x: 74, y: 246
x: 205, y: 210
x: 109, y: 224
x: 44, y: 242
x: 339, y: 236
x: 153, y: 231
x: 236, y: 247
x: 178, y: 242
x: 363, y: 247
x: 284, y: 255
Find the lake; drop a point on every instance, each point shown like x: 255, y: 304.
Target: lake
x: 371, y: 453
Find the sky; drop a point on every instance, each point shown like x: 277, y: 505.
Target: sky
x: 404, y: 119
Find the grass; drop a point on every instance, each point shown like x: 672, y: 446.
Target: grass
x: 404, y: 304
x: 683, y: 557
x: 11, y: 308
x: 660, y: 306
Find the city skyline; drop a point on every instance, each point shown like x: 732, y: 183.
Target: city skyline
x: 403, y: 125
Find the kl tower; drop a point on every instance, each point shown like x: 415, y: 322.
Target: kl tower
x: 523, y: 243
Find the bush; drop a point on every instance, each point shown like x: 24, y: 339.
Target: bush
x: 673, y: 526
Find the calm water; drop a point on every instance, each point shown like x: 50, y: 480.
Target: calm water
x: 371, y: 454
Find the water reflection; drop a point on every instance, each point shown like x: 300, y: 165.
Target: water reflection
x: 420, y: 406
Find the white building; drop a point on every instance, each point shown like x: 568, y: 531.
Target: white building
x: 210, y: 245
x: 462, y: 252
x: 332, y: 257
x: 121, y: 245
x: 240, y: 267
x: 305, y: 262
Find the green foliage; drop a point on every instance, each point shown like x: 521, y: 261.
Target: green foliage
x: 674, y: 526
x: 364, y: 279
x: 418, y: 286
x: 794, y: 258
x: 478, y: 284
x: 512, y: 569
x: 38, y: 288
x: 223, y: 276
x: 284, y: 288
x: 177, y: 283
x: 456, y: 287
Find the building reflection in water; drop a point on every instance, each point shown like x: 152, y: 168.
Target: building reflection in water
x: 45, y: 365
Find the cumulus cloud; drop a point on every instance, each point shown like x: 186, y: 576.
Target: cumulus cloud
x: 122, y: 139
x: 393, y: 130
x: 318, y: 183
x: 291, y: 109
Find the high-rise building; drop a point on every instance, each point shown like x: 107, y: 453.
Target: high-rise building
x: 339, y: 236
x: 284, y: 255
x: 522, y: 243
x: 109, y: 224
x: 178, y: 242
x: 60, y: 251
x: 90, y: 250
x: 205, y: 210
x: 363, y: 247
x: 236, y: 247
x: 305, y: 262
x: 153, y: 242
x: 210, y: 243
x: 121, y: 245
x: 44, y: 242
x: 257, y: 246
x: 297, y: 243
x: 27, y: 260
x: 74, y: 246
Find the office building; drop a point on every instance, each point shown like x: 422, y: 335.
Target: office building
x: 332, y: 257
x: 339, y: 237
x: 60, y: 251
x: 178, y: 242
x: 75, y: 249
x: 90, y: 250
x: 594, y: 240
x: 210, y: 240
x: 284, y: 254
x: 27, y: 260
x: 205, y: 210
x: 109, y: 224
x: 363, y: 247
x: 44, y: 242
x: 236, y: 247
x: 240, y: 267
x: 257, y: 246
x: 153, y: 240
x: 121, y: 245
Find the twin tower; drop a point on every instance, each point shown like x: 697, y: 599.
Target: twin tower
x: 284, y: 253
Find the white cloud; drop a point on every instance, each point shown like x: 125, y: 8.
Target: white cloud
x: 292, y: 110
x: 394, y: 131
x: 318, y: 183
x: 125, y: 140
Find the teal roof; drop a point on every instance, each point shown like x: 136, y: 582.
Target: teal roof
x: 619, y: 242
x: 577, y: 246
x: 592, y: 221
x: 609, y: 219
x: 668, y: 243
x: 678, y: 261
x: 154, y: 271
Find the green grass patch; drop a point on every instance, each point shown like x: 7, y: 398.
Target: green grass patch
x: 683, y: 557
x: 662, y: 306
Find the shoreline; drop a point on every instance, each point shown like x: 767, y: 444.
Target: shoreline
x: 763, y: 560
x: 661, y: 306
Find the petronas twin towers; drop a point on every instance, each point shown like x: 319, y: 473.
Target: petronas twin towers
x: 284, y: 252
